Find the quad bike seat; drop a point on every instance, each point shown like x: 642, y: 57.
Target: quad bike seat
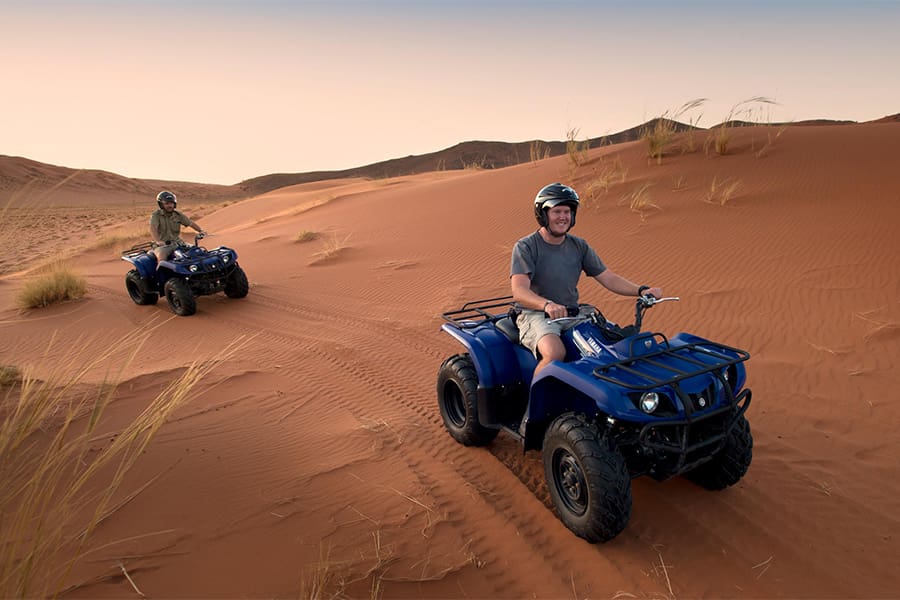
x: 508, y: 327
x: 613, y: 333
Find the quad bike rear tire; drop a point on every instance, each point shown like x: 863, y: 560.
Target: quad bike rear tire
x: 588, y: 479
x: 180, y: 297
x: 457, y: 391
x: 136, y: 290
x: 237, y: 286
x: 730, y: 463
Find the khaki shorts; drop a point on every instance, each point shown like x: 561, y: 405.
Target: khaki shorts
x: 534, y: 324
x: 163, y: 252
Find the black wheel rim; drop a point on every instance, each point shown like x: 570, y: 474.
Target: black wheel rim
x: 174, y: 300
x: 570, y: 483
x: 454, y: 406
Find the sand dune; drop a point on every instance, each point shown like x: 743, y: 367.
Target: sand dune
x: 322, y: 443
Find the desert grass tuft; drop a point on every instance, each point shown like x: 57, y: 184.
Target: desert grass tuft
x: 770, y: 140
x: 476, y: 164
x: 721, y: 192
x: 321, y: 580
x: 58, y: 486
x: 576, y: 151
x: 332, y: 247
x: 639, y: 201
x: 720, y: 137
x: 9, y: 374
x: 306, y: 236
x: 55, y: 283
x: 604, y: 176
x: 660, y: 134
x: 538, y: 150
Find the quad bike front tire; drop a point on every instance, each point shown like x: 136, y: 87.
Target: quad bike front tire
x: 136, y: 291
x: 730, y: 463
x: 588, y: 479
x: 457, y: 392
x: 180, y: 297
x: 237, y: 286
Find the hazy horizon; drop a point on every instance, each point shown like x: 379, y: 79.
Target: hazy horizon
x: 222, y: 91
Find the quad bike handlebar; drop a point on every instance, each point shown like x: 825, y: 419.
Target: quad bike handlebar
x: 642, y: 304
x: 645, y: 302
x: 649, y: 301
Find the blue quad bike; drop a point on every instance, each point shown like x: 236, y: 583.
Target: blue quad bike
x: 622, y: 404
x: 191, y: 271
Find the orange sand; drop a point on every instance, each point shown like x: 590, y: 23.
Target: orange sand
x: 323, y: 438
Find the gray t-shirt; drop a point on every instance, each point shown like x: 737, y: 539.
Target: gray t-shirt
x: 554, y: 270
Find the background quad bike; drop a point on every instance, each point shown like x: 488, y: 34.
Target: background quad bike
x: 192, y: 271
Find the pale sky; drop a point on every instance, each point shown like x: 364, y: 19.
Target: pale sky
x: 222, y: 91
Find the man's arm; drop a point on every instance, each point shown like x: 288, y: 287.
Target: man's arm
x: 154, y: 231
x: 188, y: 222
x: 619, y: 285
x: 521, y: 291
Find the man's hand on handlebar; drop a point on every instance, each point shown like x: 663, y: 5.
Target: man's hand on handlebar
x: 556, y: 311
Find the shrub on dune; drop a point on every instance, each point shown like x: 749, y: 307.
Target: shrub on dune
x: 306, y: 236
x: 57, y: 284
x: 9, y: 375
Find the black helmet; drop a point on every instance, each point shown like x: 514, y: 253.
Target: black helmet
x: 166, y: 197
x: 554, y: 195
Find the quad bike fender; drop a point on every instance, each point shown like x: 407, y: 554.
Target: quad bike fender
x: 173, y: 267
x: 568, y: 387
x: 493, y: 355
x: 145, y: 264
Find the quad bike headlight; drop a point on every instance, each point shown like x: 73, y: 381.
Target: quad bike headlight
x: 649, y: 402
x: 193, y: 268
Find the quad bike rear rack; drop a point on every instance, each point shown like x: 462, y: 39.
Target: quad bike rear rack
x: 137, y: 250
x: 475, y: 313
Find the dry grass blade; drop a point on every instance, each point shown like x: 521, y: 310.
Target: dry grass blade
x: 51, y: 474
x: 131, y: 581
x: 665, y: 571
x: 764, y: 565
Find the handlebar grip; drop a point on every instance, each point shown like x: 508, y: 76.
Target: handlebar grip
x: 572, y: 311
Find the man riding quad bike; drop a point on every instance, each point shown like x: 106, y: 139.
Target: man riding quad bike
x: 622, y: 404
x: 189, y: 272
x: 603, y: 403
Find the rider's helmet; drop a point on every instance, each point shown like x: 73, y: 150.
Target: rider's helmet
x: 166, y: 197
x: 554, y: 195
